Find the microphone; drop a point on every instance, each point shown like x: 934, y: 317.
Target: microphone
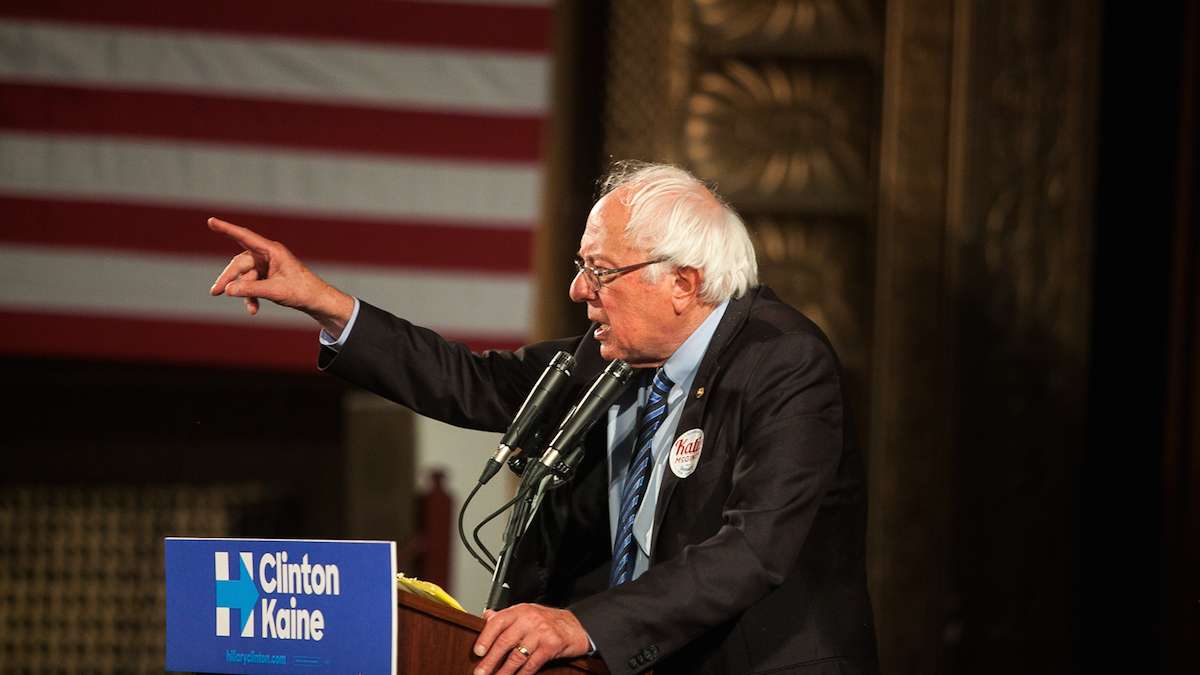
x: 607, y: 387
x: 548, y: 388
x: 602, y: 394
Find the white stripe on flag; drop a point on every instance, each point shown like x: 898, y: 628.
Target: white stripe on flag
x: 306, y: 183
x: 270, y: 67
x: 47, y: 279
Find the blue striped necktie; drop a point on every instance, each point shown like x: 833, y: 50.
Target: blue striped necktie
x: 625, y: 548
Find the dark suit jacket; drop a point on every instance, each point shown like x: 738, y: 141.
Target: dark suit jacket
x: 757, y: 558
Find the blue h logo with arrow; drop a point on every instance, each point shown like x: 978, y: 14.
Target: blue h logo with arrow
x: 239, y: 594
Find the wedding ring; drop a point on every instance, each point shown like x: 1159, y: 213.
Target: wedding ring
x: 523, y: 650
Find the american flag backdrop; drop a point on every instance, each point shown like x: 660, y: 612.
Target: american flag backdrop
x: 393, y: 146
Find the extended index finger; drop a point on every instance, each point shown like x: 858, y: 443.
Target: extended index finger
x: 249, y: 239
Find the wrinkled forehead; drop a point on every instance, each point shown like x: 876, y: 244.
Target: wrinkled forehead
x: 604, y: 233
x: 609, y: 213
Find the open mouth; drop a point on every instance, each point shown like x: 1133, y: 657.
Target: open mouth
x: 601, y: 331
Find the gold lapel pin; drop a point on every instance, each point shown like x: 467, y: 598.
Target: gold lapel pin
x: 699, y: 392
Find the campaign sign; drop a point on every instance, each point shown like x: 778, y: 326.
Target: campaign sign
x: 281, y: 606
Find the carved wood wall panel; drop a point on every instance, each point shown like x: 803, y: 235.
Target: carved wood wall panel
x: 797, y: 254
x: 1028, y: 212
x: 1022, y: 289
x: 783, y: 137
x: 985, y: 228
x: 910, y: 447
x: 840, y: 28
x: 645, y: 50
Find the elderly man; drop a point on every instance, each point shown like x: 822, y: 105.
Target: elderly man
x: 716, y: 522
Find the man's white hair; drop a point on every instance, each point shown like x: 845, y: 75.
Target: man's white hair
x: 674, y: 215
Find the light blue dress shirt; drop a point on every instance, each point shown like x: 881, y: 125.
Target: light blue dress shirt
x: 623, y: 417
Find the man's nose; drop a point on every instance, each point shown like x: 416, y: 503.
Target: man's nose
x: 580, y: 291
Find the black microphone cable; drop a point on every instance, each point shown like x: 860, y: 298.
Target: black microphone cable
x: 521, y: 492
x: 492, y: 516
x: 462, y: 534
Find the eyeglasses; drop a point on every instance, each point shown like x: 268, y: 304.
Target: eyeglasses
x: 598, y: 276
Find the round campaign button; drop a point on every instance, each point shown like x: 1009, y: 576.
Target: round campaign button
x: 685, y: 454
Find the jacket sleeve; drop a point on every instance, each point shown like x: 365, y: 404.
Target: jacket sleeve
x: 417, y: 368
x: 786, y: 456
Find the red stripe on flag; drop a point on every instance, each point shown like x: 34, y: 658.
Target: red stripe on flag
x: 438, y: 24
x: 172, y: 229
x: 310, y: 126
x: 130, y: 339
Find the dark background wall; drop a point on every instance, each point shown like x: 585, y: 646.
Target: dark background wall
x: 1137, y: 524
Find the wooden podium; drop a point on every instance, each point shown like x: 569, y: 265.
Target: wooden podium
x: 433, y: 639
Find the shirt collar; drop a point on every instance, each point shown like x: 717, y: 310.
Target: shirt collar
x: 682, y: 365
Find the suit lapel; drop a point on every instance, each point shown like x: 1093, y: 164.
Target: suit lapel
x: 696, y: 400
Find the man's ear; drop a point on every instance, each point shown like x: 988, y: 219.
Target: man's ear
x: 686, y: 290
